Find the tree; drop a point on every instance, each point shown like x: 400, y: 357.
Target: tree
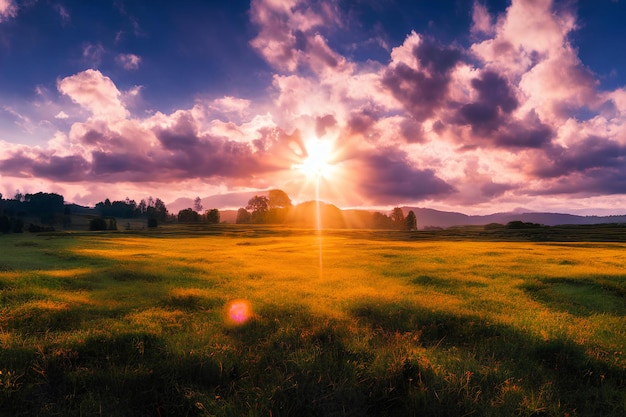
x: 381, y: 221
x: 188, y: 216
x: 213, y: 216
x: 98, y: 224
x: 279, y: 205
x: 411, y: 221
x: 197, y: 204
x: 278, y: 199
x: 397, y: 216
x: 258, y: 205
x: 160, y: 211
x: 142, y: 206
x: 243, y: 216
x: 5, y: 224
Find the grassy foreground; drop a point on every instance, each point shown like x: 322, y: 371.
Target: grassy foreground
x: 132, y: 325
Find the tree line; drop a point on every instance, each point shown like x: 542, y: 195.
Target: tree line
x: 48, y: 208
x: 45, y: 210
x: 277, y: 208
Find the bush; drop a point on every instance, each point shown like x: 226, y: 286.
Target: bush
x: 152, y: 222
x: 98, y: 224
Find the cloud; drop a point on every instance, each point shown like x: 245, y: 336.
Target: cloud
x: 289, y: 38
x: 420, y: 80
x: 388, y: 176
x: 481, y: 20
x: 94, y: 92
x: 63, y: 13
x: 8, y: 9
x: 128, y: 61
x: 93, y: 53
x: 512, y: 116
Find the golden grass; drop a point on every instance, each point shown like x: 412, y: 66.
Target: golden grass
x: 464, y: 275
x: 176, y: 288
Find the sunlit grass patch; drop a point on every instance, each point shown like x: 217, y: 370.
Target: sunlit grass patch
x: 154, y: 320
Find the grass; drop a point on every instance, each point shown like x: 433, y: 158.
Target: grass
x: 134, y: 323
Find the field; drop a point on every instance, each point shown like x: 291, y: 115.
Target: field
x: 343, y: 323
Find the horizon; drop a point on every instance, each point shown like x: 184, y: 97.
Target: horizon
x: 473, y: 107
x: 178, y: 205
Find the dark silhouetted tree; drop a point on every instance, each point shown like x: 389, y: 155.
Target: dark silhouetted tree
x: 397, y: 216
x: 243, y: 216
x: 18, y: 196
x: 411, y: 221
x: 157, y: 210
x: 5, y: 224
x: 141, y: 208
x: 98, y: 224
x: 213, y: 216
x: 258, y: 205
x: 381, y: 221
x: 188, y: 215
x: 197, y: 205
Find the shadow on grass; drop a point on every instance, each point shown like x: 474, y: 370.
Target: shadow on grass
x: 558, y: 374
x: 392, y: 359
x: 581, y: 296
x: 115, y: 375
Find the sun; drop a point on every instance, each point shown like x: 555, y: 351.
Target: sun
x: 317, y: 161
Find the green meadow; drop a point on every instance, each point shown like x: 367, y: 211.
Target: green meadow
x: 342, y: 323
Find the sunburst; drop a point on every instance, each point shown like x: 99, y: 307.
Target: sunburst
x: 317, y: 162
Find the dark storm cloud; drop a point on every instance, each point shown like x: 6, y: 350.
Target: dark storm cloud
x: 122, y: 166
x: 436, y: 58
x: 492, y: 189
x: 59, y: 168
x: 490, y: 116
x: 594, y: 153
x: 360, y: 122
x: 179, y: 136
x: 412, y: 131
x: 593, y: 182
x: 17, y: 165
x: 387, y: 176
x: 183, y: 154
x: 528, y: 134
x: 425, y: 90
x: 496, y: 101
x: 65, y: 168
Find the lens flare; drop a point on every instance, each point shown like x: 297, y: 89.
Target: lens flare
x: 238, y: 312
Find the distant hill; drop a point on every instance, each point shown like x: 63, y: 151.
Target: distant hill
x: 429, y: 217
x: 354, y: 218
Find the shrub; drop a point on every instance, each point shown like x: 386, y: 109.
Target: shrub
x: 98, y: 224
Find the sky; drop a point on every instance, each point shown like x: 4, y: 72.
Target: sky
x: 472, y: 106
